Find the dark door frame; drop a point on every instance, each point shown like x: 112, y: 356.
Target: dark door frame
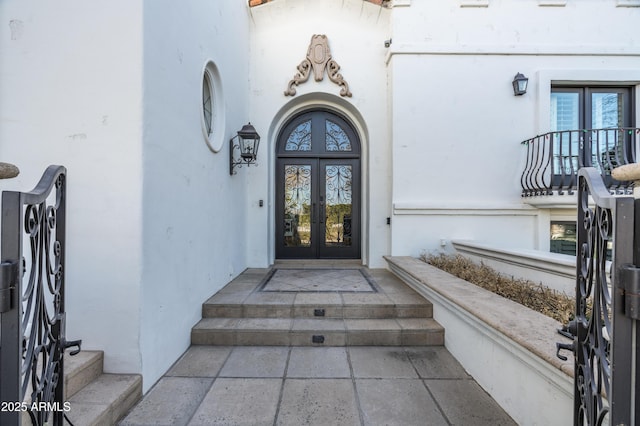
x: 317, y: 156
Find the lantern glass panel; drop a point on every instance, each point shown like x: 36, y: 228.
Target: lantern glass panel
x: 522, y: 85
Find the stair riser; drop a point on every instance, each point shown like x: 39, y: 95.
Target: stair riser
x: 392, y: 316
x: 308, y: 311
x: 106, y: 400
x: 127, y: 402
x: 331, y: 338
x: 85, y: 375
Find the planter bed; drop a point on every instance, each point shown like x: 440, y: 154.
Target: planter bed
x: 508, y: 348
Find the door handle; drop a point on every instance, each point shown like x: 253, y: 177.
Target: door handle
x: 313, y: 213
x: 321, y: 212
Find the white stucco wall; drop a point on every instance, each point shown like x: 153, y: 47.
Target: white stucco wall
x: 194, y: 221
x: 71, y: 94
x: 280, y: 35
x: 457, y: 126
x: 155, y: 222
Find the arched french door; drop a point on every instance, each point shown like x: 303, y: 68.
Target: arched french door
x: 318, y: 188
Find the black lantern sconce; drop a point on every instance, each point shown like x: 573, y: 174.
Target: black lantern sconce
x: 246, y: 141
x: 520, y: 83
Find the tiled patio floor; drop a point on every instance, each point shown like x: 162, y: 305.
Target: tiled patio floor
x: 249, y: 385
x: 318, y: 281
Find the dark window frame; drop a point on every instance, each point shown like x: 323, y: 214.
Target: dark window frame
x: 561, y: 178
x: 559, y: 247
x: 584, y: 102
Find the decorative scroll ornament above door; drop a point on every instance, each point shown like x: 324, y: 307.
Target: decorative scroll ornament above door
x: 318, y: 58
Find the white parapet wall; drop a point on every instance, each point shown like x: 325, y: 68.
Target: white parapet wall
x: 509, y: 349
x: 553, y: 270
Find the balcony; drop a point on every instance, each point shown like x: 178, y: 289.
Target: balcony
x: 553, y: 159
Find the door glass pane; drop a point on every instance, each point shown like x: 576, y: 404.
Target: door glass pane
x: 338, y: 205
x: 606, y: 113
x: 606, y: 110
x: 300, y: 138
x: 565, y: 115
x: 336, y: 139
x: 297, y: 205
x: 565, y: 111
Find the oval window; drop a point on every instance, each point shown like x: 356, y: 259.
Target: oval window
x: 207, y: 105
x: 212, y: 116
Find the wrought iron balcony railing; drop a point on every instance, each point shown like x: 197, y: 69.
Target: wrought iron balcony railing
x: 554, y: 158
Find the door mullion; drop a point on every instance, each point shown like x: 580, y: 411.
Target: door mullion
x: 315, y: 237
x: 322, y: 216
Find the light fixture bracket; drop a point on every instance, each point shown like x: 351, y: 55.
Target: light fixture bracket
x: 246, y: 142
x: 520, y: 83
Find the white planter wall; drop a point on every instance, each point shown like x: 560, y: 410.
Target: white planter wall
x: 493, y: 339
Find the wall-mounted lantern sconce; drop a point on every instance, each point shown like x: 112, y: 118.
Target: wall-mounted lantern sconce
x: 246, y: 141
x: 520, y: 83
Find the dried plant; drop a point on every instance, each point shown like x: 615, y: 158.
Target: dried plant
x: 542, y: 299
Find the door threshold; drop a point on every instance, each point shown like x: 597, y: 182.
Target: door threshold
x: 318, y: 263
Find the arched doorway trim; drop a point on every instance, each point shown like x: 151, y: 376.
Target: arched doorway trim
x: 342, y: 108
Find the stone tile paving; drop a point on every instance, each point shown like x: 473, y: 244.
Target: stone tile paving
x: 318, y: 280
x: 317, y: 386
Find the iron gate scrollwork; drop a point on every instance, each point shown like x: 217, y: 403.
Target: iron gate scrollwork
x: 604, y: 346
x: 33, y: 318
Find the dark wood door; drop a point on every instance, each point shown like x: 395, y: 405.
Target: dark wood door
x: 318, y: 188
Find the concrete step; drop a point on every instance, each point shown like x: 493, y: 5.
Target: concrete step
x: 312, y: 305
x: 80, y: 370
x: 105, y: 400
x: 317, y: 332
x: 96, y: 398
x: 327, y: 307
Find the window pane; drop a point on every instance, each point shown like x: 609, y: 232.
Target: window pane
x: 338, y: 208
x: 563, y: 237
x: 297, y: 205
x: 336, y: 139
x: 207, y: 104
x: 607, y: 113
x: 300, y: 138
x: 565, y: 115
x: 606, y: 110
x: 565, y: 111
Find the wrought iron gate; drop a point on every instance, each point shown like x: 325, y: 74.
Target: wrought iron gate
x: 32, y: 297
x: 606, y: 335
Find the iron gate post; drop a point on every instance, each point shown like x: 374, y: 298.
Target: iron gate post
x: 11, y: 320
x: 605, y: 345
x: 60, y: 326
x: 622, y: 361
